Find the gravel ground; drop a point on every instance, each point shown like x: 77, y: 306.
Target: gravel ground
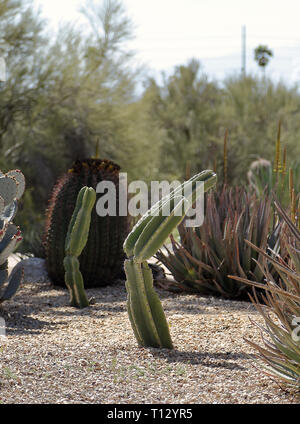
x: 57, y: 354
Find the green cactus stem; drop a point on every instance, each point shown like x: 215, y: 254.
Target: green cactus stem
x: 144, y: 308
x: 74, y: 282
x: 209, y: 180
x: 75, y: 242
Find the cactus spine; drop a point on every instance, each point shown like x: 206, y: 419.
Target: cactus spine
x: 75, y: 242
x: 144, y: 308
x: 12, y: 185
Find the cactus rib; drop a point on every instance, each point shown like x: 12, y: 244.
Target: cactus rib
x: 156, y: 308
x: 75, y: 242
x: 74, y: 282
x: 207, y: 177
x: 140, y: 307
x: 80, y: 225
x: 158, y: 229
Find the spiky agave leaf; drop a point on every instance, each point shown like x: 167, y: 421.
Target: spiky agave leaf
x: 280, y: 351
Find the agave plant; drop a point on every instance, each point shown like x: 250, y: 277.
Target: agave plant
x: 280, y: 352
x: 205, y: 255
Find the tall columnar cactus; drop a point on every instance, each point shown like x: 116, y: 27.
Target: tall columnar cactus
x: 144, y: 308
x: 12, y: 185
x: 101, y: 260
x: 76, y: 239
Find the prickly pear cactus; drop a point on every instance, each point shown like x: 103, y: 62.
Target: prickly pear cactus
x: 12, y: 185
x: 101, y: 260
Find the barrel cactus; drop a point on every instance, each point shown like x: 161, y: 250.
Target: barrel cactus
x: 101, y: 260
x: 12, y: 185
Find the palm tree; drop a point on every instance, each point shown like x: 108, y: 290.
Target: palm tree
x: 262, y: 55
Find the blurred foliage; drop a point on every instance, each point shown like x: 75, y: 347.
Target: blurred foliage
x: 186, y: 109
x: 251, y: 111
x: 192, y: 114
x: 267, y: 178
x: 63, y: 95
x: 66, y: 91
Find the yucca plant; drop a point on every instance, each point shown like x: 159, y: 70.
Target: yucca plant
x: 280, y: 351
x: 205, y: 255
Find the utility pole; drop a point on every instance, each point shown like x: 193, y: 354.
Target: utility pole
x: 244, y: 50
x: 2, y: 70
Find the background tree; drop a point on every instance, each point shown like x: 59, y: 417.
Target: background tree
x: 188, y: 116
x: 21, y: 43
x: 63, y: 95
x: 251, y: 110
x: 185, y: 110
x: 262, y: 55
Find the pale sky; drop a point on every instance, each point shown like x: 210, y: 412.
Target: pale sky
x: 169, y: 32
